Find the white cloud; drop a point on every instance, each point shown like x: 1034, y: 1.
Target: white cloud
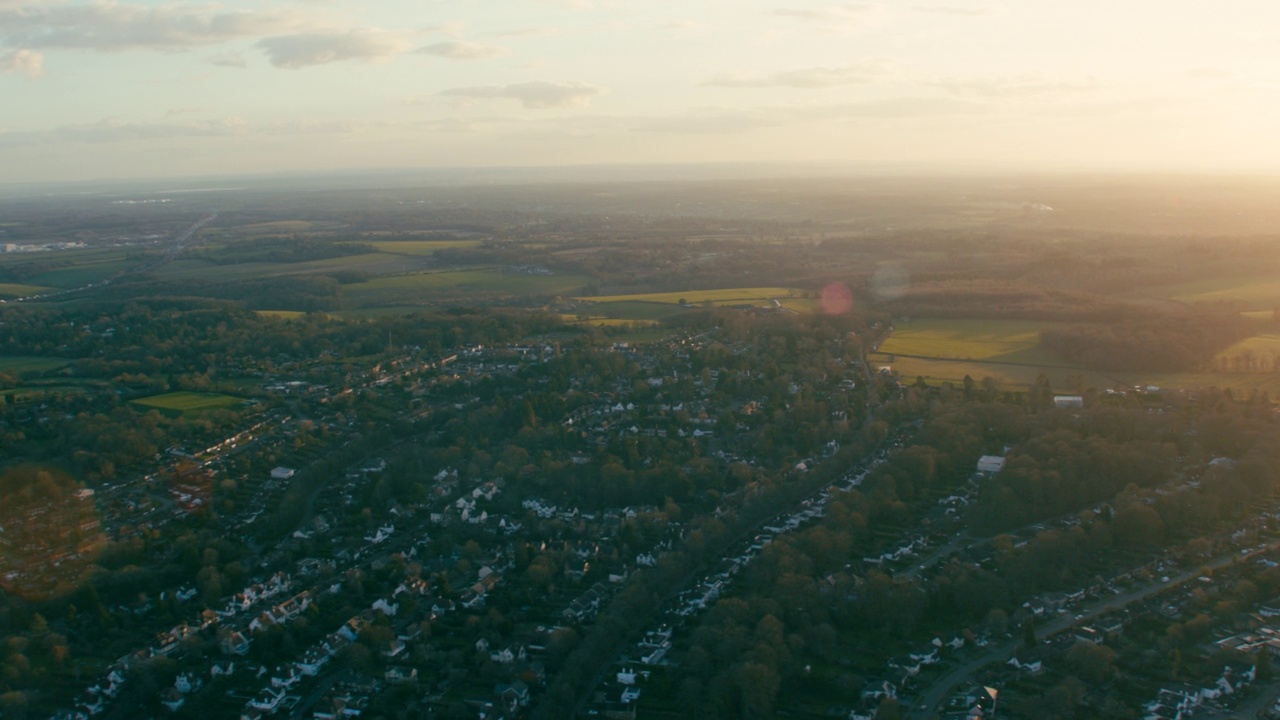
x: 952, y: 10
x: 858, y: 73
x: 113, y: 27
x: 848, y: 13
x: 25, y: 61
x: 229, y: 59
x: 739, y: 120
x: 461, y: 50
x: 1018, y: 87
x: 536, y: 94
x: 299, y: 51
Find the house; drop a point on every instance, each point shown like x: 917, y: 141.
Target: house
x: 508, y: 655
x: 282, y: 473
x: 512, y: 696
x: 990, y: 463
x: 1068, y: 401
x: 400, y: 675
x: 268, y: 700
x: 1088, y: 635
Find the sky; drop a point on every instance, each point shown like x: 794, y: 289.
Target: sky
x: 136, y: 89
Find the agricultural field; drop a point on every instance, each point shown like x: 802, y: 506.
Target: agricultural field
x: 1003, y: 341
x: 280, y: 227
x: 1256, y: 293
x: 412, y: 289
x: 421, y: 247
x: 14, y: 290
x: 19, y: 364
x: 370, y: 263
x: 188, y: 402
x: 728, y: 296
x: 1008, y: 376
x: 1008, y: 351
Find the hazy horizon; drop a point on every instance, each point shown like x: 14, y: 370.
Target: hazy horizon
x: 149, y: 89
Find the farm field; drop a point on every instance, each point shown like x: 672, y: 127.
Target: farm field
x: 727, y: 296
x: 421, y: 247
x: 79, y: 274
x: 1006, y: 341
x: 413, y: 288
x: 189, y: 402
x: 25, y: 364
x: 13, y: 290
x: 372, y: 263
x: 1012, y: 377
x: 1258, y: 293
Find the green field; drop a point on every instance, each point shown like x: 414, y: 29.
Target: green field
x: 280, y: 314
x: 13, y: 290
x: 729, y: 296
x: 1007, y: 351
x: 1013, y: 377
x: 1006, y: 341
x: 421, y: 247
x: 371, y: 263
x: 412, y: 289
x: 1261, y: 292
x: 25, y: 364
x: 188, y: 402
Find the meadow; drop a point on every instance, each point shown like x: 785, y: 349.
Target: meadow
x: 190, y: 403
x: 726, y: 296
x: 412, y: 289
x: 24, y: 364
x: 14, y: 290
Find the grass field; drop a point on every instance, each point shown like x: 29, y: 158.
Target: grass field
x: 372, y: 263
x: 421, y: 247
x: 13, y: 290
x: 1008, y: 341
x: 412, y: 289
x: 1255, y: 292
x: 728, y: 296
x: 1007, y: 351
x: 188, y: 402
x: 25, y: 364
x: 280, y: 314
x: 1013, y: 377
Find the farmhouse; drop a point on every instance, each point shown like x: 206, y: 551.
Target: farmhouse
x: 990, y: 463
x: 1068, y: 401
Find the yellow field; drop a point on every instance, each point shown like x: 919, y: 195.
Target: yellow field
x: 280, y: 314
x: 730, y: 296
x: 991, y: 340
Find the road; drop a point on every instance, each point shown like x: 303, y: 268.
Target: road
x: 929, y: 702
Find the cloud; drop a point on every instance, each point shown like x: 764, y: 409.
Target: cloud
x: 229, y: 59
x: 25, y: 61
x: 304, y: 50
x: 951, y: 10
x: 111, y: 130
x: 533, y: 31
x: 828, y: 13
x: 1208, y: 73
x: 536, y: 94
x: 460, y: 50
x: 858, y: 73
x: 115, y: 27
x: 1027, y: 86
x: 739, y: 120
x: 180, y: 111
